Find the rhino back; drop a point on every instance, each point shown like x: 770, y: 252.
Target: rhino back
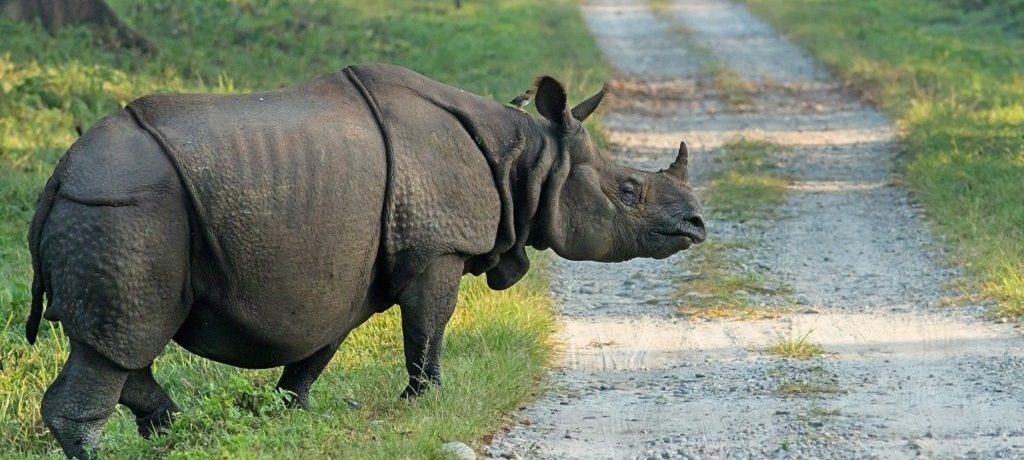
x: 288, y: 188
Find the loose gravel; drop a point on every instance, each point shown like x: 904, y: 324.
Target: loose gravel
x: 903, y: 377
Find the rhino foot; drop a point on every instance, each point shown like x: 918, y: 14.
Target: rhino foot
x: 418, y: 386
x: 78, y: 403
x: 157, y: 422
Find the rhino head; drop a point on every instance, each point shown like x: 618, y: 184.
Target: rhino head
x: 595, y: 209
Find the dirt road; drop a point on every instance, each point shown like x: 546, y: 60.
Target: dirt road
x: 903, y: 377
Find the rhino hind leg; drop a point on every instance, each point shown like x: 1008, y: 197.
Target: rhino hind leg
x: 427, y: 304
x: 152, y: 407
x: 78, y: 403
x: 298, y: 377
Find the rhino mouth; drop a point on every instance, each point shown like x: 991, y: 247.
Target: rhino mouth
x: 691, y: 235
x: 676, y: 241
x: 672, y: 241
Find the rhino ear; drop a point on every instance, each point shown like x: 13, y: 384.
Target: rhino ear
x: 551, y: 102
x: 587, y: 107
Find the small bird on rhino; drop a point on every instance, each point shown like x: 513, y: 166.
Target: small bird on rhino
x: 522, y: 100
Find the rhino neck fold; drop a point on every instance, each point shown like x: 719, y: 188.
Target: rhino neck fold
x: 428, y: 124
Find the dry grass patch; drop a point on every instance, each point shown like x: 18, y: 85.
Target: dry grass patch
x: 744, y: 188
x: 797, y: 347
x: 722, y: 289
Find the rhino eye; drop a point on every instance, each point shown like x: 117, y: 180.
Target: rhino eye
x: 629, y: 193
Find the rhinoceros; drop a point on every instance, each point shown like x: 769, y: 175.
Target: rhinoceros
x: 258, y: 230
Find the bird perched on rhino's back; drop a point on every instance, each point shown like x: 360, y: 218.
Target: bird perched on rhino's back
x: 521, y: 101
x: 258, y: 230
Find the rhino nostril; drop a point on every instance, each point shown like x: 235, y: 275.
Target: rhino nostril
x: 696, y: 221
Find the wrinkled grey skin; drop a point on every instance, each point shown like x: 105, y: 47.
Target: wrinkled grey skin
x: 258, y: 230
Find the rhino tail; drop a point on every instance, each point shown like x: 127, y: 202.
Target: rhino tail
x: 34, y: 236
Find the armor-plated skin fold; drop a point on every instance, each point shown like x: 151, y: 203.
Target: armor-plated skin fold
x: 259, y: 229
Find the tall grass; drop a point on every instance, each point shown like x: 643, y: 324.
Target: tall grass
x: 497, y: 344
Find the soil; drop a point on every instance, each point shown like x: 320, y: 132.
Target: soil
x: 904, y: 374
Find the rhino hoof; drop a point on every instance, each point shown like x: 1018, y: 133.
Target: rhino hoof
x: 158, y: 421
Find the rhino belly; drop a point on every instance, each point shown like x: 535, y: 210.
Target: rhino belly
x: 260, y: 335
x: 282, y: 291
x: 291, y: 277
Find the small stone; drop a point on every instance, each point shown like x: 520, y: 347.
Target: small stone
x: 353, y: 404
x: 457, y: 451
x: 920, y: 446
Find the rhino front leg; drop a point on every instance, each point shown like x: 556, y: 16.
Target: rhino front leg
x: 298, y: 377
x: 427, y: 305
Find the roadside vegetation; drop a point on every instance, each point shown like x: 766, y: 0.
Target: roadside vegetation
x: 743, y: 188
x: 497, y: 344
x: 949, y: 72
x: 796, y: 347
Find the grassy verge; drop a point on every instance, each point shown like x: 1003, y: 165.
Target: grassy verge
x: 742, y: 189
x: 498, y: 342
x: 949, y: 72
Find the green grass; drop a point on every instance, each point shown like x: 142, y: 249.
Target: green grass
x: 743, y: 188
x: 745, y: 185
x: 495, y: 351
x: 950, y: 72
x: 497, y: 345
x: 797, y: 347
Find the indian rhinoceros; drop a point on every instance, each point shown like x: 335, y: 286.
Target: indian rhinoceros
x: 257, y: 230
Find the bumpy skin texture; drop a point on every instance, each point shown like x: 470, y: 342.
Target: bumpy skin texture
x: 258, y: 230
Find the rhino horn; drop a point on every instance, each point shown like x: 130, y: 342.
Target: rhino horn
x: 679, y: 167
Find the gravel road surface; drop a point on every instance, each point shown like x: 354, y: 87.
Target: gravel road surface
x: 903, y: 377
